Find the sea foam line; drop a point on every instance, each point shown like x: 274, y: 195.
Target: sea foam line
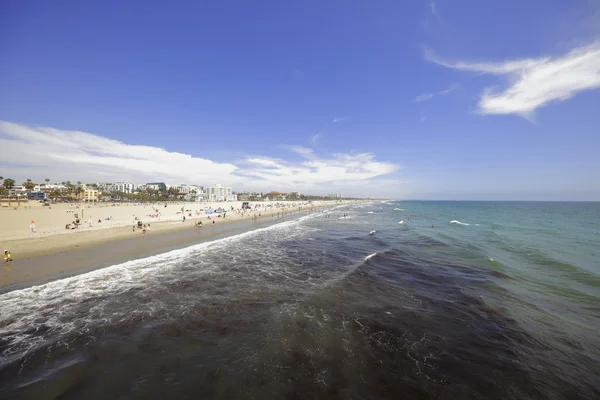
x: 169, y: 257
x: 459, y: 223
x: 24, y: 308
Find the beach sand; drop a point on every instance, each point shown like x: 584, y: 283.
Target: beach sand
x: 52, y: 252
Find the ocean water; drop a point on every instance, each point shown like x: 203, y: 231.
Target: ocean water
x: 500, y: 300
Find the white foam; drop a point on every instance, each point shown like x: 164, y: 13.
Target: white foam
x: 370, y: 255
x: 25, y: 308
x: 370, y: 212
x: 372, y: 232
x: 398, y: 209
x: 401, y: 222
x: 459, y: 223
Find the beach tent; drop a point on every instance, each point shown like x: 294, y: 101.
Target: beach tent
x: 219, y: 210
x: 208, y: 212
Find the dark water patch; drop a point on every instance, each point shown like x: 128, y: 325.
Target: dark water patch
x: 499, y: 274
x: 299, y: 312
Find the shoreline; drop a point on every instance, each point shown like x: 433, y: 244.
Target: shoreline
x: 56, y: 239
x: 91, y: 250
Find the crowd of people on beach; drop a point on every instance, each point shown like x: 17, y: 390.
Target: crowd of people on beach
x: 210, y: 213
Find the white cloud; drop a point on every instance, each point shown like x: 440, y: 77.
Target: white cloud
x: 450, y: 89
x: 80, y: 155
x: 336, y: 120
x: 315, y: 137
x: 534, y: 82
x: 424, y: 97
x: 38, y: 152
x: 433, y: 7
x: 301, y: 150
x: 428, y: 96
x: 314, y: 171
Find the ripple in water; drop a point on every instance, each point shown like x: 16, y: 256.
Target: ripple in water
x: 311, y: 308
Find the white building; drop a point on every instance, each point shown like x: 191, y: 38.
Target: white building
x: 219, y: 193
x: 336, y: 195
x: 190, y: 192
x: 123, y: 187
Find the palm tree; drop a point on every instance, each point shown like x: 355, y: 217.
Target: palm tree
x: 55, y: 193
x: 47, y: 180
x: 28, y: 185
x: 78, y: 191
x: 9, y: 183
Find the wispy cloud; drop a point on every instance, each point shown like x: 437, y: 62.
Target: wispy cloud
x: 337, y: 120
x: 534, y: 82
x: 424, y: 97
x: 39, y: 152
x: 450, y: 89
x: 317, y: 171
x: 314, y: 138
x: 433, y: 7
x: 300, y: 150
x: 428, y: 96
x: 62, y: 153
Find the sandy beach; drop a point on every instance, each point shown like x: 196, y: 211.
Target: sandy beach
x: 52, y: 252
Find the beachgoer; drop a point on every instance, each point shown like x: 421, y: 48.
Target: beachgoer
x: 32, y: 226
x: 213, y: 222
x: 7, y: 256
x: 134, y: 227
x: 184, y: 218
x: 90, y: 221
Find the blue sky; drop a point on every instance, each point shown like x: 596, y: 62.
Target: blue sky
x: 443, y: 99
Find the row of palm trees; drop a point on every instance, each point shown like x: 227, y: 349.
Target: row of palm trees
x: 149, y: 195
x: 73, y: 191
x: 70, y: 191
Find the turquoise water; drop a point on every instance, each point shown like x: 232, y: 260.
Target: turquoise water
x: 549, y: 256
x: 385, y: 300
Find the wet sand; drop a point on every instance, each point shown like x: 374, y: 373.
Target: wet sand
x: 86, y: 251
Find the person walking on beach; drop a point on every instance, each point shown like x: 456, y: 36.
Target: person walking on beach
x: 32, y: 226
x: 7, y: 256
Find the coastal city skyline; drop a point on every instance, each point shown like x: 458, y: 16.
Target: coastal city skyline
x: 107, y: 191
x: 419, y: 101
